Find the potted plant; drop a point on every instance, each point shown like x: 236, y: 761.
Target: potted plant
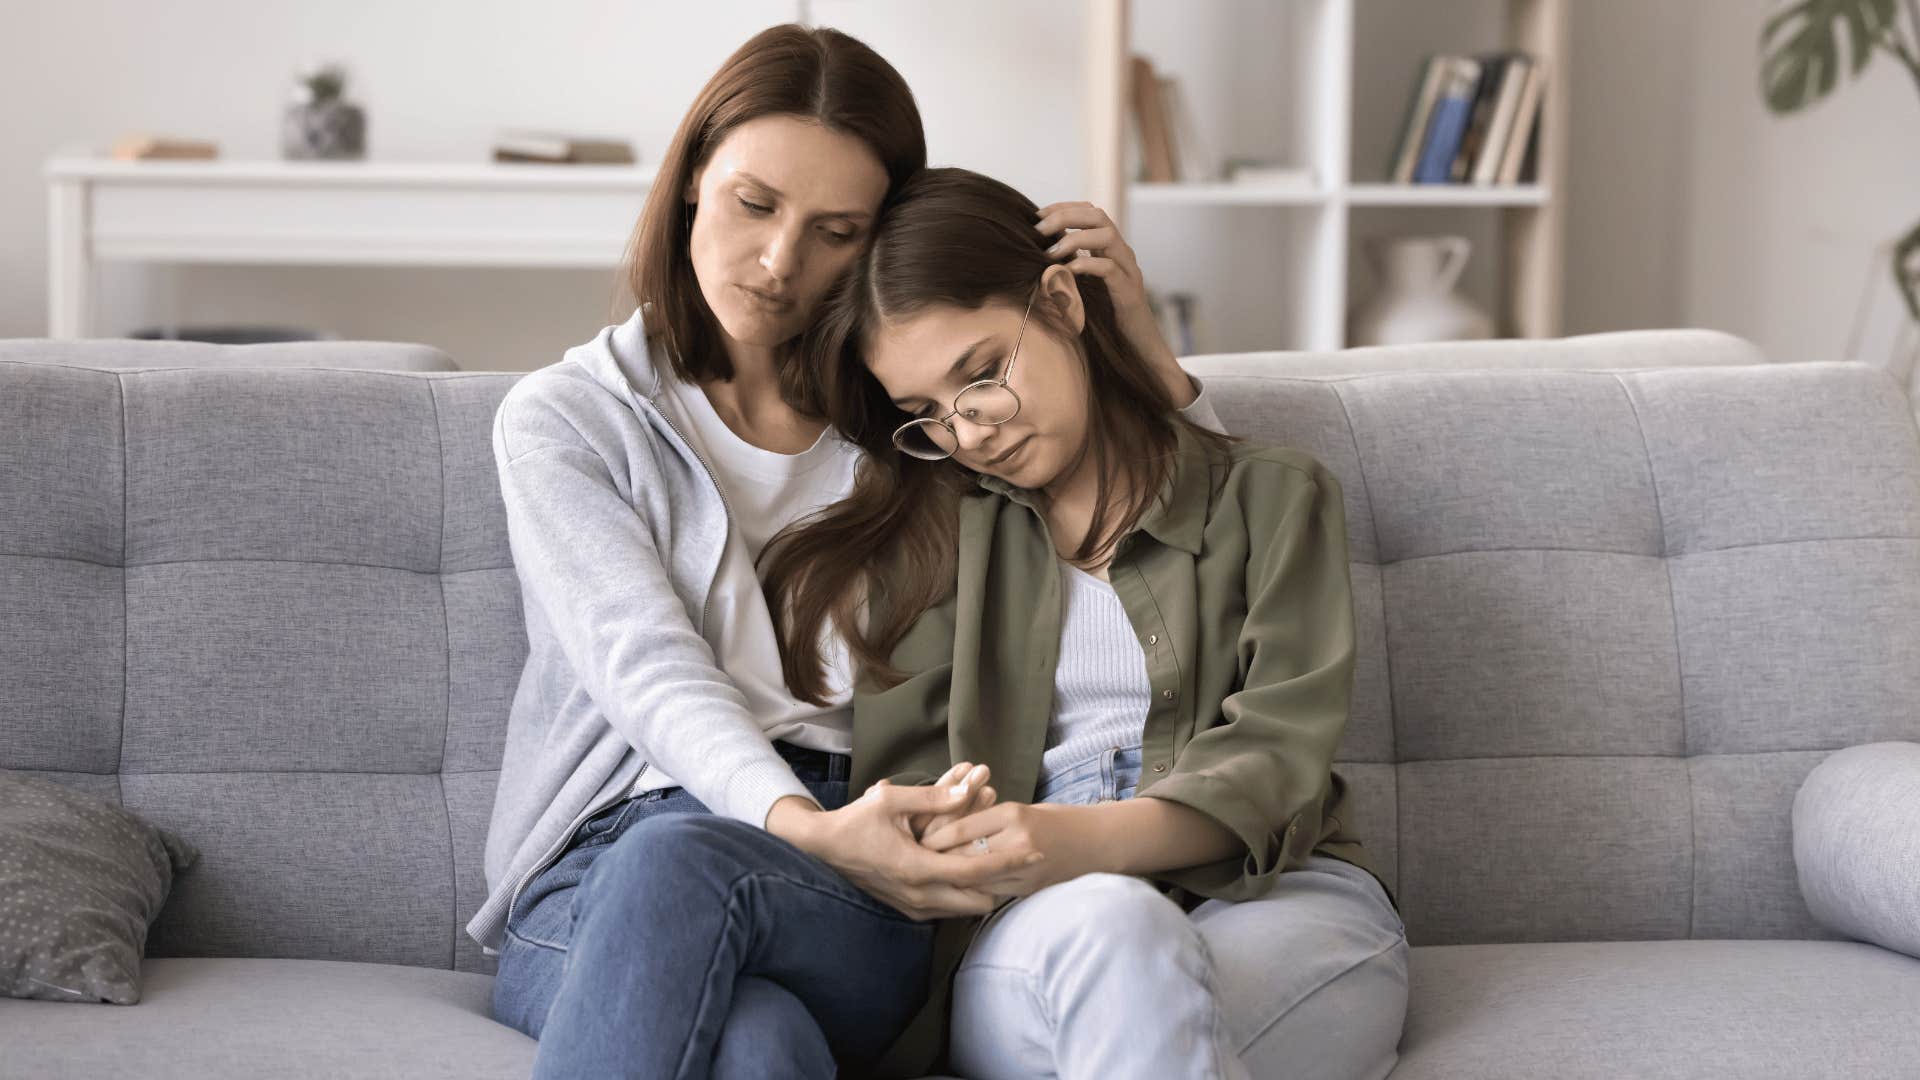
x: 320, y: 122
x: 1800, y: 65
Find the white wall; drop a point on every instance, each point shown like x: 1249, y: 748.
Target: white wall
x: 1688, y: 204
x: 998, y: 83
x: 1691, y: 204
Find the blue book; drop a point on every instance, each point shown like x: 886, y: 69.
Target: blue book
x: 1449, y: 124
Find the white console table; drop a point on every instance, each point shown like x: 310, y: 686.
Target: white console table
x: 337, y: 213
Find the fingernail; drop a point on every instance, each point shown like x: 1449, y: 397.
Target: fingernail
x: 1036, y: 857
x: 959, y: 790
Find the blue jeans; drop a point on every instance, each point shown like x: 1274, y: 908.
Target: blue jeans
x: 670, y: 942
x: 1309, y: 981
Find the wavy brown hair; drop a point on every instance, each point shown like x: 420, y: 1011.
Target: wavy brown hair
x: 948, y: 237
x: 814, y: 74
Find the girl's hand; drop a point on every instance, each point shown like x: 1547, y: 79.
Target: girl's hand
x: 963, y: 780
x: 871, y: 843
x: 1048, y: 843
x: 1106, y: 255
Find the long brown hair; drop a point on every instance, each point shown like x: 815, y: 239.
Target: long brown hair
x: 813, y: 73
x: 948, y: 237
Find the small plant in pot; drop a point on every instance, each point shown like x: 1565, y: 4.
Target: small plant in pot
x: 320, y: 123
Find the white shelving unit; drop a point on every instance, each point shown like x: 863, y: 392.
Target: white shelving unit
x: 1315, y: 231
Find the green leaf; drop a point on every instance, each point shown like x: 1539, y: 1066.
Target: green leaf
x: 1800, y: 48
x: 1906, y: 269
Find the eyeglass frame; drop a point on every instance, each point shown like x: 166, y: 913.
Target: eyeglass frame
x: 1001, y: 382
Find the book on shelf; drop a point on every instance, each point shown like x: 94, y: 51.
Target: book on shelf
x: 1193, y: 155
x: 1159, y: 157
x: 1448, y: 126
x: 163, y: 148
x: 558, y: 148
x: 1521, y: 149
x: 1472, y: 120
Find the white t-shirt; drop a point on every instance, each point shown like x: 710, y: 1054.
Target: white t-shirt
x: 765, y: 491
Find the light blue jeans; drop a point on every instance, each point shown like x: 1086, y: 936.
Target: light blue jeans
x: 1102, y: 976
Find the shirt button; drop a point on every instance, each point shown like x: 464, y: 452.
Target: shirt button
x: 1153, y: 639
x: 1168, y: 694
x: 1162, y: 767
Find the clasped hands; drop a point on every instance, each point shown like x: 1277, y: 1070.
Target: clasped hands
x: 915, y: 848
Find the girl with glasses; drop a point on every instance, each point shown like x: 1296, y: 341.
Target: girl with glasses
x: 1142, y: 628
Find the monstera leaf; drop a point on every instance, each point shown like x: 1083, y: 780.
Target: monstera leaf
x: 1906, y: 269
x: 1800, y: 47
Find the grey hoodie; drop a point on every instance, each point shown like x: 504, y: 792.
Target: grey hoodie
x: 616, y: 528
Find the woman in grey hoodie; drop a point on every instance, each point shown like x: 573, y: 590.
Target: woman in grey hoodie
x: 642, y: 474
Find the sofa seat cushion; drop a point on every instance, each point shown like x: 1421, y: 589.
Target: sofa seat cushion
x: 215, y: 1018
x: 1681, y: 1008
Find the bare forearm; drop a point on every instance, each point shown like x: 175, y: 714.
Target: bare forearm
x: 1147, y: 836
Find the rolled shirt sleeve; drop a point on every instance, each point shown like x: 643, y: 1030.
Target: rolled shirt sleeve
x: 1264, y: 770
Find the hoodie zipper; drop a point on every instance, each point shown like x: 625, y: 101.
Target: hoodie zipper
x: 706, y: 607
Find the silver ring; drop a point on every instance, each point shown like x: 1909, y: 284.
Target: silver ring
x: 980, y: 844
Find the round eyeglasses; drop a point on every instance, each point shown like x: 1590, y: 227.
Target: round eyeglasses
x: 989, y: 401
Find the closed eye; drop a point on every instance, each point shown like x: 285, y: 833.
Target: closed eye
x: 754, y: 207
x: 979, y: 376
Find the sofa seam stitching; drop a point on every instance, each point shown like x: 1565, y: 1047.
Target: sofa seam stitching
x: 120, y: 755
x: 1386, y: 643
x: 446, y: 718
x: 1680, y: 671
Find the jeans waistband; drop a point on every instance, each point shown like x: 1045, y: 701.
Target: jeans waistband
x: 814, y: 764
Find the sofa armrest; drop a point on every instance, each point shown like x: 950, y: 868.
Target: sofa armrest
x: 1856, y: 843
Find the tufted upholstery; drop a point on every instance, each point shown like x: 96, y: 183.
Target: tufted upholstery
x: 1609, y: 621
x: 274, y: 610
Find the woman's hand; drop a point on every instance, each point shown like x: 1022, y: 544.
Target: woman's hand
x: 1067, y: 840
x: 1107, y: 256
x: 870, y: 841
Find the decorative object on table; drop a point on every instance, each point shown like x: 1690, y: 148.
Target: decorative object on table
x: 1472, y: 120
x: 139, y: 147
x: 1414, y: 300
x: 84, y: 880
x: 561, y: 149
x: 321, y: 123
x: 1799, y: 62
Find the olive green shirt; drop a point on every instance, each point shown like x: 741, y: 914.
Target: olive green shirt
x: 1237, y: 583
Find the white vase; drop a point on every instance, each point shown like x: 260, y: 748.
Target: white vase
x: 1415, y: 300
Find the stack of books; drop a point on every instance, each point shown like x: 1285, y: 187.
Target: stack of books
x: 1473, y: 120
x: 557, y: 148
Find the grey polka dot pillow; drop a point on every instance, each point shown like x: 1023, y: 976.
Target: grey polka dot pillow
x: 80, y: 882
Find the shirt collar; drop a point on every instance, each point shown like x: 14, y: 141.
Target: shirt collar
x: 1177, y: 518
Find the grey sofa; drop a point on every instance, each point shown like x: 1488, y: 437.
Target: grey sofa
x: 1610, y: 620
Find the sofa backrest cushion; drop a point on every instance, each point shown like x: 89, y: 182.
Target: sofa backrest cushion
x: 1609, y: 620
